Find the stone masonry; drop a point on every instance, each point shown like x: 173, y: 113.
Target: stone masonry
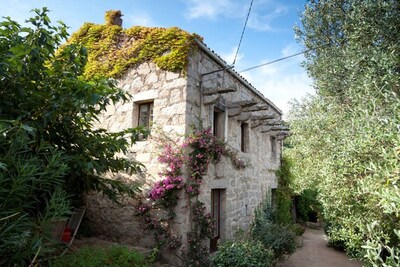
x: 180, y: 101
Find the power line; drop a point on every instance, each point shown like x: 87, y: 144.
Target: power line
x: 241, y: 37
x: 282, y: 58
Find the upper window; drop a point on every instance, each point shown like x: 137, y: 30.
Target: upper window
x: 219, y: 123
x: 145, y: 114
x: 244, y: 137
x: 273, y: 147
x: 145, y: 118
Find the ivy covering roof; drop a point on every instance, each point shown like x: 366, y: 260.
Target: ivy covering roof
x: 112, y: 50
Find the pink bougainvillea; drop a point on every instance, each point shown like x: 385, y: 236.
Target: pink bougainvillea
x: 164, y: 187
x: 204, y: 148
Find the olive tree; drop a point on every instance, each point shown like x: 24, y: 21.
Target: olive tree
x: 345, y: 140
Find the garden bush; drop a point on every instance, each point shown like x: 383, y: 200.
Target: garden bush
x: 243, y: 254
x: 277, y: 237
x: 284, y: 193
x: 297, y: 229
x: 272, y: 235
x: 117, y: 256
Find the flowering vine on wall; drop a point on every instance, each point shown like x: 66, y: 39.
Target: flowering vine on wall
x: 196, y: 152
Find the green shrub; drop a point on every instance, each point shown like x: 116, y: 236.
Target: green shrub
x: 284, y: 193
x: 297, y: 229
x: 279, y: 238
x: 272, y: 235
x: 243, y: 254
x: 118, y: 256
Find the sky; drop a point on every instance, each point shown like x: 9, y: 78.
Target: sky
x: 269, y: 34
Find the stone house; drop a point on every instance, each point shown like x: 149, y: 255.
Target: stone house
x: 206, y: 92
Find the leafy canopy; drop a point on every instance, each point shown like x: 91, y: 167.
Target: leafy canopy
x: 49, y: 147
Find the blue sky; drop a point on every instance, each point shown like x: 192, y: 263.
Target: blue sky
x: 269, y: 34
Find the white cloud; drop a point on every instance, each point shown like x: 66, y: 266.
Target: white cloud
x: 262, y: 19
x: 209, y: 8
x: 282, y: 81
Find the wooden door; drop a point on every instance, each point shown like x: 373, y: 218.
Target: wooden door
x: 216, y: 216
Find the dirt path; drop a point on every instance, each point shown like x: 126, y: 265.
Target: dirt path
x: 315, y: 253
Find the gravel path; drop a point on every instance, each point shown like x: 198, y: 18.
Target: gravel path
x: 315, y: 253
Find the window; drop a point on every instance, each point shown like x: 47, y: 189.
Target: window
x: 244, y: 137
x: 145, y: 114
x: 219, y: 123
x: 144, y: 117
x: 273, y: 147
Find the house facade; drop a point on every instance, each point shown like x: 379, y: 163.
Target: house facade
x: 208, y: 93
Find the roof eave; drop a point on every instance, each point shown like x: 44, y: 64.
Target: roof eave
x: 223, y: 64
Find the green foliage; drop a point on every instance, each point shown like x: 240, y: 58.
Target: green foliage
x: 243, y: 254
x: 307, y: 206
x: 297, y: 229
x: 271, y: 234
x: 284, y: 193
x: 117, y: 256
x: 111, y: 15
x: 112, y: 49
x: 345, y: 140
x: 49, y: 152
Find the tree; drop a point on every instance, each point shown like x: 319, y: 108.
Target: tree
x: 50, y: 151
x: 346, y: 138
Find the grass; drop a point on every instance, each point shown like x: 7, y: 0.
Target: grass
x: 94, y: 256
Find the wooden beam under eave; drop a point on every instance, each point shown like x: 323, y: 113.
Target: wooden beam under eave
x: 281, y: 137
x: 211, y: 99
x: 244, y: 117
x: 283, y: 133
x: 256, y: 108
x: 274, y: 129
x: 233, y: 112
x: 256, y: 124
x: 269, y: 115
x: 265, y: 129
x: 242, y: 103
x: 218, y: 90
x: 274, y: 122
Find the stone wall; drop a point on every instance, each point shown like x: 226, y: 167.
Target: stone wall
x: 167, y: 90
x: 179, y: 103
x: 242, y: 190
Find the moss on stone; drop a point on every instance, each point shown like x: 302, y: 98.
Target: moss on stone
x: 112, y: 50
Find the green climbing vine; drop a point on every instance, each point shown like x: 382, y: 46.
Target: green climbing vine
x: 112, y: 50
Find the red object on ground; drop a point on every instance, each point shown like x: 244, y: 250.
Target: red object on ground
x: 66, y: 237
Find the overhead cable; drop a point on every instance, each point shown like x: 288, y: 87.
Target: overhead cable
x: 282, y: 58
x: 241, y: 37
